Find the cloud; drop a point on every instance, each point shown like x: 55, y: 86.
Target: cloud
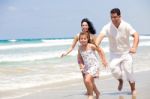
x: 12, y: 8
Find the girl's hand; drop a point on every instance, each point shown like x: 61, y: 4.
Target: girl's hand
x: 105, y: 63
x: 81, y: 69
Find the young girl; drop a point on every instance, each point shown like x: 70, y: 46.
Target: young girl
x: 86, y: 26
x: 90, y: 68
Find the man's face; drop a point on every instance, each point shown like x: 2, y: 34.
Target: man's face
x: 115, y: 18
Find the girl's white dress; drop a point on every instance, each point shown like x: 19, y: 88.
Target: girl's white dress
x: 91, y: 62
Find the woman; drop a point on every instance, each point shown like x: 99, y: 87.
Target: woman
x: 86, y: 26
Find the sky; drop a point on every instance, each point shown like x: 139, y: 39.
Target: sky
x: 62, y: 18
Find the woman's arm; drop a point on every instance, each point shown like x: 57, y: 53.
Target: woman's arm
x: 71, y: 47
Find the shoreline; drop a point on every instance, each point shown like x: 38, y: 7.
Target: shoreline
x: 18, y: 93
x: 108, y: 87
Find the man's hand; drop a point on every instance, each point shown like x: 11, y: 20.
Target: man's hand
x: 104, y: 62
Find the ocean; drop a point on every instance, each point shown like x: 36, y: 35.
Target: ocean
x: 28, y: 63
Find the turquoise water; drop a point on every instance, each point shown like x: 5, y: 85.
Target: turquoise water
x: 26, y: 63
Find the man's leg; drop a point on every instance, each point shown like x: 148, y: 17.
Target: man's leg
x: 120, y: 84
x: 128, y: 69
x: 132, y: 85
x: 116, y: 70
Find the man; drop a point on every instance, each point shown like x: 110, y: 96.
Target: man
x: 118, y: 32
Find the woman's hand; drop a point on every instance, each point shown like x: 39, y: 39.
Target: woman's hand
x: 63, y: 54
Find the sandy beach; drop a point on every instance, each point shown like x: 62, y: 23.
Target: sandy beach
x: 108, y: 88
x: 36, y: 72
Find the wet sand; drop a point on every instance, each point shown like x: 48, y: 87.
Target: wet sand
x: 107, y: 87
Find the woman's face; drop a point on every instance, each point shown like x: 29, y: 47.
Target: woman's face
x: 85, y: 27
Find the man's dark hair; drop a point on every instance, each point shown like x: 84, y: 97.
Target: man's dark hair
x: 116, y: 10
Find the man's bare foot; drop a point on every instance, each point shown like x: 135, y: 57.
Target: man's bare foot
x: 133, y: 97
x: 121, y: 97
x: 120, y: 84
x: 133, y: 93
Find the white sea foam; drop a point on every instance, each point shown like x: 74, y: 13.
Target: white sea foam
x: 35, y: 56
x: 32, y: 56
x: 28, y: 81
x: 58, y: 42
x: 13, y: 40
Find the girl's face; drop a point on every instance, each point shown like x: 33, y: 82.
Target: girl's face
x: 85, y: 27
x: 83, y: 40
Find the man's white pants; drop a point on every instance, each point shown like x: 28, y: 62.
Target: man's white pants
x: 122, y: 64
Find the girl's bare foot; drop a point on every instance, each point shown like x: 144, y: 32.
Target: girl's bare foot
x: 86, y: 93
x: 90, y: 97
x: 97, y: 95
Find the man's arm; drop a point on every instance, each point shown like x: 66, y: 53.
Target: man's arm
x: 99, y: 38
x: 100, y: 53
x: 135, y: 43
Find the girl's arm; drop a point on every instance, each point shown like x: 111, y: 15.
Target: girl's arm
x: 80, y: 61
x: 71, y: 47
x: 101, y: 54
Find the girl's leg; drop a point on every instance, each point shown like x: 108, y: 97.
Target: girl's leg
x: 85, y: 83
x: 96, y: 90
x: 94, y: 87
x: 89, y: 84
